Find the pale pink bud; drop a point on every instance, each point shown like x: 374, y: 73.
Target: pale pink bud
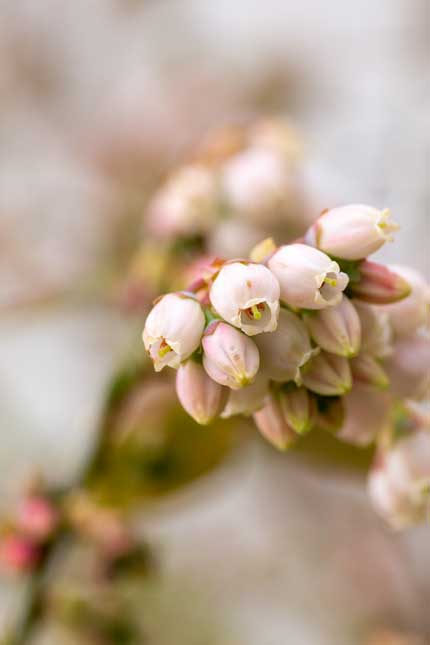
x: 230, y: 358
x: 413, y: 312
x: 399, y: 484
x: 18, y: 554
x: 271, y: 423
x: 367, y: 413
x: 353, y: 232
x: 408, y: 367
x: 248, y: 399
x: 37, y: 517
x: 284, y: 352
x: 376, y: 331
x: 246, y: 296
x: 368, y: 371
x: 279, y: 136
x: 328, y: 374
x: 185, y: 205
x: 336, y: 329
x: 199, y: 395
x: 299, y: 409
x: 308, y: 278
x: 173, y: 330
x: 258, y: 183
x: 378, y: 285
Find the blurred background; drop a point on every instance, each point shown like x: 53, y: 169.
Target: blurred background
x: 99, y: 101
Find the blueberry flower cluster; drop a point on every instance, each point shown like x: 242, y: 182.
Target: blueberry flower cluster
x: 306, y: 335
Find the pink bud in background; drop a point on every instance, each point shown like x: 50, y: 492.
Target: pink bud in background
x: 18, y: 554
x: 248, y: 399
x: 198, y: 394
x: 353, y: 232
x: 367, y: 412
x: 299, y: 409
x: 399, y: 483
x: 328, y: 374
x: 378, y: 285
x: 247, y: 296
x: 271, y: 423
x: 284, y: 352
x: 308, y: 278
x: 186, y: 205
x: 230, y: 358
x: 173, y: 330
x: 413, y: 312
x: 277, y: 135
x: 258, y: 183
x: 366, y: 370
x: 408, y: 368
x: 336, y: 329
x: 37, y: 517
x: 376, y: 331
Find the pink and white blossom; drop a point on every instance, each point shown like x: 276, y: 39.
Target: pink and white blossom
x: 199, y: 395
x: 270, y: 421
x: 336, y: 329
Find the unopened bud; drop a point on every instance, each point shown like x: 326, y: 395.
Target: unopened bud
x: 37, y: 517
x: 376, y: 332
x: 328, y: 374
x: 408, y: 315
x: 378, y: 285
x: 408, y: 367
x: 367, y: 413
x: 199, y: 395
x: 368, y: 371
x: 298, y: 408
x: 336, y: 329
x: 248, y: 399
x: 271, y: 423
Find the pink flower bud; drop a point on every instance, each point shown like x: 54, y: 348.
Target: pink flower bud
x: 368, y: 371
x: 37, y: 517
x: 299, y: 409
x: 246, y: 296
x: 328, y: 374
x: 378, y: 285
x: 284, y: 352
x: 248, y: 399
x: 367, y: 412
x: 258, y: 183
x: 399, y: 483
x: 336, y: 329
x: 173, y: 330
x: 230, y: 358
x: 18, y: 554
x: 199, y: 395
x: 413, y: 312
x: 408, y: 368
x: 271, y: 423
x: 376, y: 332
x: 185, y: 205
x: 353, y: 232
x: 308, y: 278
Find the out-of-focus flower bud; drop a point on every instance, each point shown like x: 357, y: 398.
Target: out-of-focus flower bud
x: 248, y: 399
x: 232, y: 238
x: 299, y: 409
x: 378, y: 285
x: 408, y: 367
x: 308, y: 278
x: 284, y: 352
x: 388, y: 636
x: 399, y: 483
x: 279, y: 136
x: 368, y: 371
x: 330, y: 413
x: 37, y: 517
x: 258, y: 183
x: 18, y: 554
x: 173, y: 330
x: 336, y: 329
x: 230, y: 358
x: 270, y: 421
x: 199, y: 395
x: 328, y: 374
x: 367, y: 412
x: 413, y: 312
x: 247, y: 296
x: 185, y: 205
x: 353, y: 232
x: 263, y: 250
x: 376, y: 331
